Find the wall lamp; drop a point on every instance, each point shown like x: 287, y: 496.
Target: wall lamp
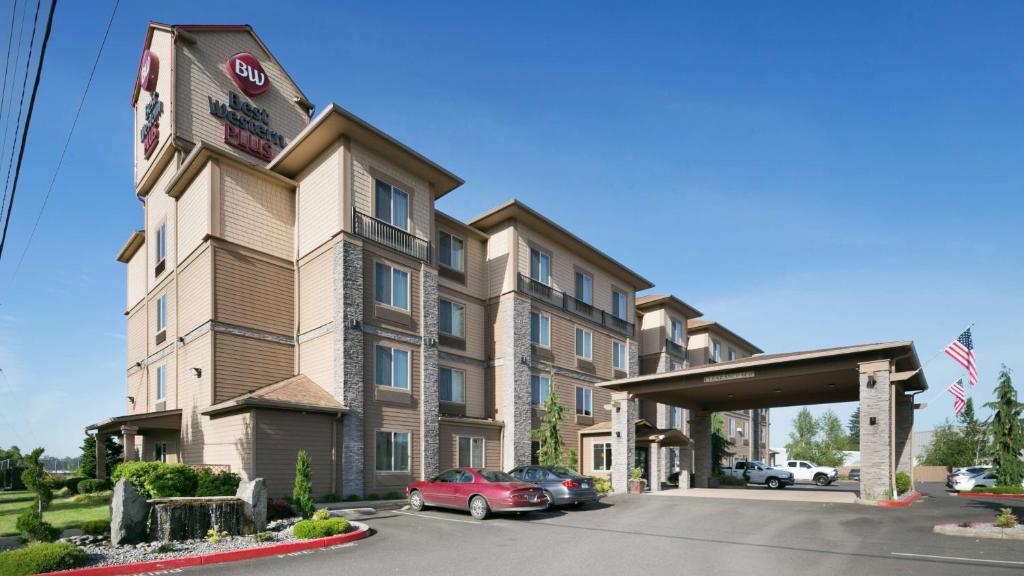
x: 131, y: 400
x: 353, y: 323
x: 872, y: 420
x: 197, y: 372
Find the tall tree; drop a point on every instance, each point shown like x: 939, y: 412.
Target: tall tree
x: 829, y: 448
x: 87, y: 462
x: 948, y: 448
x: 974, y: 432
x: 549, y: 435
x: 853, y: 428
x: 720, y: 444
x: 1007, y: 435
x: 802, y: 437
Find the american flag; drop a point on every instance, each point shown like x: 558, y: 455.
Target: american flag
x: 962, y: 350
x: 959, y: 397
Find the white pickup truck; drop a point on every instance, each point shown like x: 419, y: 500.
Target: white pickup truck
x: 804, y: 471
x: 759, y: 473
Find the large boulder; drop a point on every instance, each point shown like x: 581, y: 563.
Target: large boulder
x: 128, y: 513
x: 254, y: 495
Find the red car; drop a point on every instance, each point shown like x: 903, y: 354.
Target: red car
x: 478, y: 490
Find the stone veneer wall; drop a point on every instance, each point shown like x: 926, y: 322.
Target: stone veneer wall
x: 624, y: 416
x: 514, y: 319
x: 430, y: 404
x: 348, y: 360
x: 700, y: 428
x: 875, y: 440
x: 904, y: 430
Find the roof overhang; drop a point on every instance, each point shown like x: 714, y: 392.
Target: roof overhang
x: 251, y: 403
x: 694, y: 326
x: 335, y: 122
x: 163, y: 420
x: 203, y: 153
x: 135, y: 241
x: 654, y: 301
x: 516, y: 210
x: 766, y: 381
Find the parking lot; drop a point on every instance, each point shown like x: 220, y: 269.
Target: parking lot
x: 632, y: 534
x: 842, y: 492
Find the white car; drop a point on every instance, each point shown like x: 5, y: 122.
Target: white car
x: 985, y: 479
x: 804, y: 471
x: 964, y: 473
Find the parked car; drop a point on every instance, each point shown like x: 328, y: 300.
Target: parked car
x: 561, y: 485
x: 804, y: 471
x: 984, y: 479
x: 480, y: 491
x: 854, y: 474
x: 964, y: 473
x: 759, y: 473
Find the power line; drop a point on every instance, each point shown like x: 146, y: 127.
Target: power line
x: 6, y: 118
x: 7, y: 57
x: 28, y: 117
x: 67, y: 141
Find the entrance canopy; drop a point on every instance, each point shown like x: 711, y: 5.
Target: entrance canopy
x: 819, y: 376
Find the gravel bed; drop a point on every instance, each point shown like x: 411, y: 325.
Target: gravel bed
x: 980, y: 530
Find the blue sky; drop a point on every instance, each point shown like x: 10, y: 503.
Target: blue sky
x: 809, y: 175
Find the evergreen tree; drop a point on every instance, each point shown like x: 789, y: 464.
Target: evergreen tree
x: 720, y: 444
x: 302, y: 497
x: 549, y: 435
x: 36, y: 480
x: 1007, y: 434
x: 974, y: 433
x: 853, y: 429
x: 87, y: 462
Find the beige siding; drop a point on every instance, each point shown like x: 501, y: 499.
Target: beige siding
x: 257, y: 212
x: 476, y: 391
x: 162, y: 45
x: 168, y: 289
x: 246, y: 364
x: 653, y: 331
x: 194, y: 394
x: 195, y: 296
x: 319, y: 200
x: 450, y: 433
x: 194, y: 214
x: 316, y: 292
x: 253, y: 292
x: 160, y: 209
x: 383, y: 315
x: 137, y: 390
x: 280, y: 435
x: 563, y: 346
x: 316, y: 360
x: 366, y: 167
x: 135, y: 272
x: 388, y: 409
x: 136, y: 336
x: 227, y: 440
x: 199, y: 74
x: 169, y: 401
x: 474, y: 263
x: 475, y: 329
x: 501, y: 267
x: 587, y: 455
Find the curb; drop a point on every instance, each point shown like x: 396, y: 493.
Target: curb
x: 968, y: 532
x: 220, y: 557
x: 989, y: 495
x: 914, y: 496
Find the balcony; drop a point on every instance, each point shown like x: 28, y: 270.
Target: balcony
x: 390, y: 236
x: 674, y: 348
x: 574, y: 306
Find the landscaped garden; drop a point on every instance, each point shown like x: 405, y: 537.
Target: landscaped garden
x: 63, y: 513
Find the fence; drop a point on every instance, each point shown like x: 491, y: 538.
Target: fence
x: 930, y: 473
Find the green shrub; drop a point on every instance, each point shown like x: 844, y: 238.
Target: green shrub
x: 302, y: 496
x: 38, y: 558
x: 1005, y: 518
x: 95, y: 498
x: 221, y: 483
x: 35, y: 529
x: 171, y: 480
x: 732, y: 481
x: 95, y: 527
x: 307, y: 529
x: 902, y: 483
x: 373, y: 497
x: 279, y: 509
x: 393, y: 495
x: 63, y: 492
x: 332, y: 497
x: 999, y: 490
x: 91, y: 486
x: 602, y: 485
x: 321, y: 514
x: 353, y: 498
x: 136, y: 472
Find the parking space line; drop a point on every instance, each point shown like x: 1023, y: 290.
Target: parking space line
x: 436, y: 518
x: 1013, y: 562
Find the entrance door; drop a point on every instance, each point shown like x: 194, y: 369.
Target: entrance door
x: 642, y: 452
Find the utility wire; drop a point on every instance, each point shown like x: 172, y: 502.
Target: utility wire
x: 28, y: 117
x: 67, y: 141
x: 6, y: 118
x: 7, y: 57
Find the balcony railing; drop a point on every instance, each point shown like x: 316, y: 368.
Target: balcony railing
x: 574, y: 306
x: 675, y: 348
x: 390, y: 236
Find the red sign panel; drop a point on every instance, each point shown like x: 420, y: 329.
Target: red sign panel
x: 149, y: 71
x: 248, y: 74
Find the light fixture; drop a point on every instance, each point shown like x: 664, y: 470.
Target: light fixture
x: 353, y: 323
x: 871, y: 381
x: 197, y: 372
x: 872, y: 420
x: 729, y: 395
x: 131, y: 400
x: 777, y: 390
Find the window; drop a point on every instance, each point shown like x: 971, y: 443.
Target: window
x: 451, y: 249
x: 716, y: 351
x: 732, y: 427
x: 805, y: 465
x: 603, y: 456
x: 791, y: 464
x: 471, y: 451
x: 677, y: 332
x: 584, y: 344
x: 453, y: 319
x: 391, y: 286
x: 160, y: 451
x: 540, y: 389
x: 160, y: 245
x: 392, y: 368
x: 675, y: 417
x: 673, y: 366
x: 618, y: 355
x: 161, y: 313
x: 584, y: 401
x: 392, y: 205
x: 585, y: 287
x: 453, y: 386
x: 392, y: 451
x: 161, y: 382
x: 540, y: 329
x: 540, y: 266
x: 618, y: 304
x: 732, y: 354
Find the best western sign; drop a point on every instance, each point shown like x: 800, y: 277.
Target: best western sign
x: 149, y: 134
x: 731, y: 376
x: 247, y: 127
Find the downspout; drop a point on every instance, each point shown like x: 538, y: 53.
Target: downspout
x: 334, y: 453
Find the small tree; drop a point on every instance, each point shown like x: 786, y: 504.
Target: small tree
x: 974, y: 433
x: 35, y: 479
x: 1007, y: 435
x: 720, y: 444
x: 302, y: 496
x: 802, y: 437
x: 573, y: 461
x: 829, y: 450
x: 549, y: 434
x: 948, y: 448
x: 853, y: 427
x: 87, y: 462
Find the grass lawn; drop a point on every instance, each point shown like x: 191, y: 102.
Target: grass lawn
x: 62, y: 513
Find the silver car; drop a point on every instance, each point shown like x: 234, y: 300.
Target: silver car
x: 563, y: 486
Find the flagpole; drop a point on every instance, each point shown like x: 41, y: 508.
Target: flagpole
x: 946, y: 389
x: 939, y: 353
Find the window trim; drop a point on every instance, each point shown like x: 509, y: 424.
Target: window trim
x: 161, y: 382
x: 393, y: 432
x: 408, y: 285
x: 409, y: 203
x: 454, y: 303
x: 452, y: 370
x: 625, y: 303
x: 161, y: 312
x: 551, y: 260
x: 577, y: 273
x: 540, y: 324
x: 462, y: 267
x: 483, y: 450
x: 716, y: 350
x: 541, y: 397
x: 586, y: 392
x: 615, y: 346
x: 673, y: 321
x: 579, y: 329
x: 392, y: 386
x: 606, y: 453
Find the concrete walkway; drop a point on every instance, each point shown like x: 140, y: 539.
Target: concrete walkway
x: 765, y: 494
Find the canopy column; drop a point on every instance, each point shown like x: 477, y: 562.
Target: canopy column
x: 700, y: 435
x: 877, y: 416
x: 905, y: 435
x: 101, y: 456
x: 624, y: 415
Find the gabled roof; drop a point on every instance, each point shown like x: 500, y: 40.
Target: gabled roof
x: 135, y: 241
x: 454, y: 222
x: 652, y: 301
x: 514, y: 209
x: 297, y: 393
x: 702, y: 325
x: 335, y: 122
